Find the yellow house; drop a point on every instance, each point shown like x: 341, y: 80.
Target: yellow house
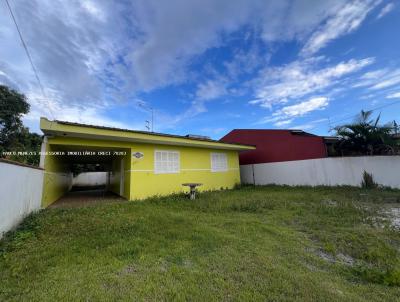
x: 140, y: 164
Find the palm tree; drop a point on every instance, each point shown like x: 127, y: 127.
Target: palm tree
x: 366, y: 137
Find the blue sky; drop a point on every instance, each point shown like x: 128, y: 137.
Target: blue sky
x: 206, y: 67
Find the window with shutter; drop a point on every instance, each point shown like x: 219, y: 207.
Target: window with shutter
x: 219, y: 162
x: 166, y: 161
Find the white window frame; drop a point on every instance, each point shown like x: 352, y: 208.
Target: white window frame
x: 217, y: 167
x: 175, y: 170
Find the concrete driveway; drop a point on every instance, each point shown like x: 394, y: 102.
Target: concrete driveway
x: 86, y: 198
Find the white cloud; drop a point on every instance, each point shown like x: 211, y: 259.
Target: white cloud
x: 288, y: 20
x: 268, y: 119
x: 287, y: 114
x: 92, y: 54
x: 72, y: 47
x: 387, y: 83
x: 55, y: 108
x: 379, y: 79
x: 152, y: 43
x: 347, y: 19
x: 211, y: 89
x: 206, y: 91
x: 300, y: 78
x: 385, y: 10
x: 395, y: 95
x: 317, y: 103
x: 310, y: 125
x: 172, y: 32
x: 283, y: 123
x: 375, y: 74
x: 94, y: 10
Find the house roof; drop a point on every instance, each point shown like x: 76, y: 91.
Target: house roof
x: 332, y: 139
x: 70, y: 129
x: 293, y: 131
x: 277, y: 145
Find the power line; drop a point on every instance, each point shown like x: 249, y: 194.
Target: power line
x: 373, y: 109
x: 29, y: 56
x: 355, y: 115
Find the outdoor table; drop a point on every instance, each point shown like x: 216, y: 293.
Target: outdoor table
x: 192, y: 187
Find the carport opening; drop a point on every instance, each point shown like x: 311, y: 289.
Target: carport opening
x: 89, y: 174
x: 90, y: 177
x: 90, y: 185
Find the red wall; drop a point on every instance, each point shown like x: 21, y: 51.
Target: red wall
x: 276, y: 145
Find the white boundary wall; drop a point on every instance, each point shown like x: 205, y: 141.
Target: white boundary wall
x: 20, y: 193
x: 90, y: 179
x: 325, y: 171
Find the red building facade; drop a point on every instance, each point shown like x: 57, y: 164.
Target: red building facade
x: 276, y: 145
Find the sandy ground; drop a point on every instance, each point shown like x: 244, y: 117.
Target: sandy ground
x: 392, y: 212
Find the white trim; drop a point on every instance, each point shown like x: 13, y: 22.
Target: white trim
x: 150, y: 170
x: 225, y: 156
x: 167, y: 172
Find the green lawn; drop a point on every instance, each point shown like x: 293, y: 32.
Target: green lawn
x: 256, y: 244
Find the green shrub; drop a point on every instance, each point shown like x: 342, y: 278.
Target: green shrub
x: 368, y: 181
x: 390, y: 276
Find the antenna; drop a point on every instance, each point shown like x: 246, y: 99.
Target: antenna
x: 146, y: 107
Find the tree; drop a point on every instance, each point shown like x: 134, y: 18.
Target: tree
x: 366, y: 137
x: 13, y: 135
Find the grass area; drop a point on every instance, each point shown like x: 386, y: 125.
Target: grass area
x: 260, y: 244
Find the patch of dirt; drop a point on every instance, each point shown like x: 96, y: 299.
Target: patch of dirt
x: 130, y: 269
x: 388, y: 215
x: 187, y: 263
x: 164, y: 266
x: 393, y: 215
x: 339, y: 258
x: 329, y: 202
x: 345, y: 259
x: 325, y: 256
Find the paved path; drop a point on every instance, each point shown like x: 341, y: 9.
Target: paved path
x: 86, y: 198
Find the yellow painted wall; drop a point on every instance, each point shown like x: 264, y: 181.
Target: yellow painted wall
x: 195, y: 166
x: 128, y: 176
x: 140, y: 179
x: 57, y: 178
x: 115, y: 176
